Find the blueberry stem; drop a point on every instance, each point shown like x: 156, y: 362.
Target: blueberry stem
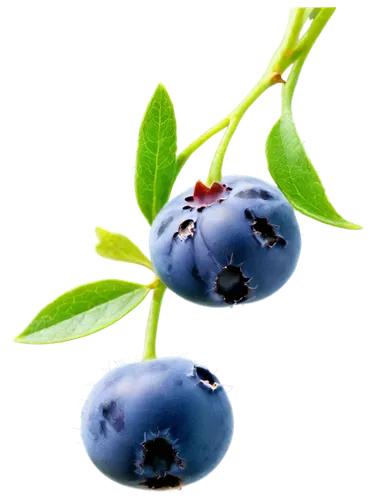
x: 302, y: 50
x: 290, y: 50
x: 187, y: 152
x: 149, y: 351
x: 234, y: 119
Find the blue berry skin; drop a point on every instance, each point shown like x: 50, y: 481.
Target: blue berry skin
x: 239, y: 248
x: 163, y: 423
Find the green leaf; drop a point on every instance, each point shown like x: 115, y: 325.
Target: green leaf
x: 82, y: 311
x: 156, y: 165
x: 295, y: 175
x: 118, y: 247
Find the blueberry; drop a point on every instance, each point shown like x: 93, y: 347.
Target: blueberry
x: 235, y: 242
x: 157, y: 424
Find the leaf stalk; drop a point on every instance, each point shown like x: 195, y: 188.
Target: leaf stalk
x: 149, y: 351
x: 291, y: 50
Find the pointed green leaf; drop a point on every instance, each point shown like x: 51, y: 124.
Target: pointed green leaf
x: 116, y: 246
x: 156, y: 166
x: 82, y: 311
x: 295, y: 175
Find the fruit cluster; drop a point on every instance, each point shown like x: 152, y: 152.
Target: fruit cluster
x: 164, y: 423
x: 168, y: 422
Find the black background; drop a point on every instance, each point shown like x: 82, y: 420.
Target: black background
x: 301, y: 364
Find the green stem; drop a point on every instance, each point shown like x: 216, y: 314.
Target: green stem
x: 289, y: 51
x: 302, y: 51
x: 149, y: 351
x: 187, y: 152
x: 234, y: 119
x: 284, y: 55
x: 277, y: 64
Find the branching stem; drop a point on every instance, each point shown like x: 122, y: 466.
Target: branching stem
x: 291, y: 50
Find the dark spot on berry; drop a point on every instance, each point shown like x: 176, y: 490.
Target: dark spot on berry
x: 264, y: 231
x: 113, y: 415
x: 247, y: 194
x: 254, y: 194
x: 159, y: 455
x: 249, y: 214
x: 163, y: 482
x: 261, y: 226
x: 206, y: 377
x: 103, y: 428
x: 185, y: 230
x: 265, y: 195
x: 163, y: 226
x: 267, y: 230
x: 232, y: 285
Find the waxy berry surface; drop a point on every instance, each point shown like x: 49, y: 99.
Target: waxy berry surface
x: 235, y: 242
x: 157, y: 424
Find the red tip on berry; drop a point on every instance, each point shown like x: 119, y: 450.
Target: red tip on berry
x: 205, y: 196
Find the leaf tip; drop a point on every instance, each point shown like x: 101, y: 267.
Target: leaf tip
x: 340, y: 223
x: 357, y: 226
x: 162, y: 86
x: 352, y: 225
x: 14, y: 339
x: 100, y: 233
x: 18, y: 339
